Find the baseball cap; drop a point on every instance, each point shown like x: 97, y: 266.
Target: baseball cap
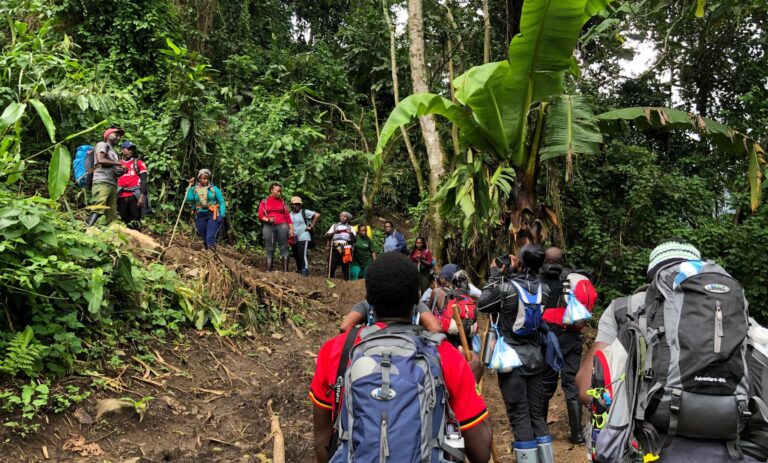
x: 127, y: 144
x: 446, y: 273
x: 295, y: 200
x: 109, y: 132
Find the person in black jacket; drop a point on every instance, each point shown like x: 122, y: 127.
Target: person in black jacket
x: 522, y: 389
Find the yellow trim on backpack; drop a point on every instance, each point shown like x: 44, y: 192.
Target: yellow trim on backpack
x: 648, y: 457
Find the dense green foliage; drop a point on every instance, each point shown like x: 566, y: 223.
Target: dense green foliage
x: 65, y: 290
x: 297, y: 92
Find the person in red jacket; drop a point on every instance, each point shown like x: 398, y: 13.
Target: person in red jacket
x: 274, y: 214
x: 422, y: 257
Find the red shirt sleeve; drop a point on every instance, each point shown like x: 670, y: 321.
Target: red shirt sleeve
x: 142, y: 167
x: 288, y: 219
x: 466, y: 403
x: 320, y: 392
x: 429, y: 256
x: 262, y: 211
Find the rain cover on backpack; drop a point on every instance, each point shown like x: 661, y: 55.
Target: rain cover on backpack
x: 395, y: 405
x: 696, y: 378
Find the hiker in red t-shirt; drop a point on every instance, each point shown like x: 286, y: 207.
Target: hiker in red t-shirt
x: 132, y: 186
x: 392, y: 286
x: 274, y: 214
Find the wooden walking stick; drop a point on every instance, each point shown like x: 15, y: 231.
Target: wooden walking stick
x: 181, y: 209
x: 468, y: 355
x: 330, y: 256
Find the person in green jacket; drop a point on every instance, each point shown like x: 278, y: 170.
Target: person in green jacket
x: 209, y: 207
x: 363, y: 254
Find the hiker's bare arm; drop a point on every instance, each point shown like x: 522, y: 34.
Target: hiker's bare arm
x: 315, y: 218
x: 323, y: 431
x: 429, y: 322
x: 584, y: 375
x: 353, y: 318
x: 102, y: 159
x: 477, y: 442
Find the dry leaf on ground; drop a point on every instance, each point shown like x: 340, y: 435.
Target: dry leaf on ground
x: 78, y: 445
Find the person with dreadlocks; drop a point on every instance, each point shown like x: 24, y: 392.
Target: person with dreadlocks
x: 209, y: 207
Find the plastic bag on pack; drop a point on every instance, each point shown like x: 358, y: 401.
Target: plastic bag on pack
x: 476, y: 344
x: 575, y: 311
x: 504, y: 358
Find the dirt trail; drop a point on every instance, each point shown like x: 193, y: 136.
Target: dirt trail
x: 210, y: 395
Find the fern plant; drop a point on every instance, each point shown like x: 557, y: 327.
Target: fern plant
x: 23, y: 354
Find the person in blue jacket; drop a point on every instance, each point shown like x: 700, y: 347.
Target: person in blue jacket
x: 209, y: 206
x: 395, y: 241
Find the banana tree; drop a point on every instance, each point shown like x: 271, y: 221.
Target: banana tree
x: 513, y: 115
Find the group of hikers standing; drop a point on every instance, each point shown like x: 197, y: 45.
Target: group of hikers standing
x: 118, y: 182
x: 657, y: 385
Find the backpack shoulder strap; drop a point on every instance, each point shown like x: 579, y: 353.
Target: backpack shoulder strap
x: 526, y: 296
x: 349, y: 342
x: 304, y: 216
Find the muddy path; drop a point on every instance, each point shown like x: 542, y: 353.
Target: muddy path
x: 210, y: 393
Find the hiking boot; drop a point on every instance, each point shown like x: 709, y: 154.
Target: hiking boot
x: 92, y: 219
x: 545, y: 449
x: 304, y: 272
x: 574, y: 420
x: 285, y: 264
x: 269, y: 264
x: 525, y: 452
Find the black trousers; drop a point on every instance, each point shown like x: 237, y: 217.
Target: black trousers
x: 129, y: 210
x: 523, y: 394
x: 336, y: 260
x: 300, y: 254
x: 571, y: 344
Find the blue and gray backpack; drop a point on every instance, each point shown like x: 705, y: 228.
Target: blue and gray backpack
x: 395, y: 406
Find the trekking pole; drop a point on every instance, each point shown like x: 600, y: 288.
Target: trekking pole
x: 178, y: 217
x: 468, y: 356
x: 482, y: 353
x: 330, y: 254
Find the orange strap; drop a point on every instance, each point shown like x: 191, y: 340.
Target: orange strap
x: 215, y: 210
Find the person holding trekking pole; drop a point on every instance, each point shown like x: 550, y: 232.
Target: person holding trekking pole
x: 209, y: 207
x: 304, y: 222
x: 278, y: 226
x: 342, y: 237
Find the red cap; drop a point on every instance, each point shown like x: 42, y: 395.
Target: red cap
x: 109, y: 132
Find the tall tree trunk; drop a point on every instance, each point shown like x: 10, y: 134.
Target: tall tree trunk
x: 435, y: 152
x: 486, y: 33
x: 396, y: 92
x: 451, y: 73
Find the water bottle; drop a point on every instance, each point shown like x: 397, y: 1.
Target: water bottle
x: 488, y: 346
x: 454, y: 440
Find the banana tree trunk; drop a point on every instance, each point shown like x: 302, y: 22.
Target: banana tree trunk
x: 435, y: 153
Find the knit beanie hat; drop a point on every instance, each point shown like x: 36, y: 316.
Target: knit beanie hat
x: 672, y: 250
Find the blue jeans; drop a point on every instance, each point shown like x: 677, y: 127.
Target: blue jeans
x: 208, y: 228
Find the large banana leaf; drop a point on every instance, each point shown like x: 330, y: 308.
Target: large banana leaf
x: 486, y: 90
x: 724, y: 137
x: 539, y: 56
x: 570, y: 128
x: 422, y: 104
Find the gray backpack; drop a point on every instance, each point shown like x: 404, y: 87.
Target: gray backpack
x: 693, y: 363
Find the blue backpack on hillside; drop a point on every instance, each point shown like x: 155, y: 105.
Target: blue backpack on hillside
x: 82, y: 166
x: 395, y: 406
